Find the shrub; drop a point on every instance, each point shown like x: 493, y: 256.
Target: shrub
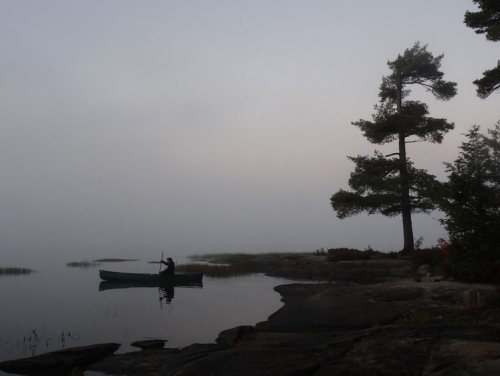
x: 473, y: 265
x: 82, y: 264
x: 428, y: 256
x: 15, y: 271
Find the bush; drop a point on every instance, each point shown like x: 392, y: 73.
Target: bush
x: 346, y: 254
x: 473, y: 265
x: 428, y: 256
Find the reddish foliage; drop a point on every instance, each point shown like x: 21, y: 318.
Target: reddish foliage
x: 443, y: 246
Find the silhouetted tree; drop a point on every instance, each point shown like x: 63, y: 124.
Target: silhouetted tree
x: 471, y: 202
x: 393, y: 186
x: 486, y: 21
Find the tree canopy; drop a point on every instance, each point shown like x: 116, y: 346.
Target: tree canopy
x: 486, y: 21
x: 470, y: 200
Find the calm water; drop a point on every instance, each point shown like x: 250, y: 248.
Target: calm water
x: 61, y: 307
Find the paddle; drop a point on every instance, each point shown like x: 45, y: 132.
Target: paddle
x: 161, y: 262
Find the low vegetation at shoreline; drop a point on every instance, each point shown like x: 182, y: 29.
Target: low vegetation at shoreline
x: 114, y: 260
x: 230, y: 258
x: 348, y: 254
x: 15, y: 271
x: 219, y: 271
x: 247, y: 263
x: 83, y: 264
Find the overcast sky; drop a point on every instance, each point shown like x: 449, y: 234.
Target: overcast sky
x: 131, y: 127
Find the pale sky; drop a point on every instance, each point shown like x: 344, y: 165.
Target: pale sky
x: 132, y: 127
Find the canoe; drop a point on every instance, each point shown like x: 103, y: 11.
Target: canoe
x: 60, y: 362
x: 144, y: 277
x: 112, y: 285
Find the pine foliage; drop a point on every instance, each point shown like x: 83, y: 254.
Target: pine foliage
x: 486, y: 21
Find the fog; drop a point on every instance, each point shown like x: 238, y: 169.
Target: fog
x: 129, y: 128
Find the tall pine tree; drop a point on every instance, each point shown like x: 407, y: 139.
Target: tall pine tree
x: 392, y: 186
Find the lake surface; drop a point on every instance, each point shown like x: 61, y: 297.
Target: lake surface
x: 60, y: 307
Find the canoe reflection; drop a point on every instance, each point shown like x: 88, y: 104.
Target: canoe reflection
x: 166, y: 289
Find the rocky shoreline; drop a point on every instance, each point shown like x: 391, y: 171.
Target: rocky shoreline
x: 382, y: 316
x: 371, y: 318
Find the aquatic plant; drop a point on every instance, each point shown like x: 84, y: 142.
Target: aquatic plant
x: 230, y: 258
x: 32, y: 341
x: 219, y: 271
x: 15, y: 271
x: 114, y: 260
x: 83, y: 264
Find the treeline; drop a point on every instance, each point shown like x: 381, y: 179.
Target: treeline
x: 392, y: 186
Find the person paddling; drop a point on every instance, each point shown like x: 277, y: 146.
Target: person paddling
x: 170, y: 270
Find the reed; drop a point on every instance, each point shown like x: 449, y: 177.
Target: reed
x: 219, y: 271
x: 15, y: 271
x: 230, y: 258
x: 83, y: 264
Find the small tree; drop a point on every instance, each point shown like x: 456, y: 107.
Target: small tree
x: 471, y: 203
x: 392, y: 186
x: 486, y: 21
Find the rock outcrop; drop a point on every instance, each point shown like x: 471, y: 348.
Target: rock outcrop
x: 391, y: 328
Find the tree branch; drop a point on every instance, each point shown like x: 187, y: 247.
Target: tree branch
x: 426, y: 85
x: 390, y: 155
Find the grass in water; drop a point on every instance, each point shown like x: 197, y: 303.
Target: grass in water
x: 218, y: 271
x: 82, y: 264
x: 230, y: 258
x: 15, y: 271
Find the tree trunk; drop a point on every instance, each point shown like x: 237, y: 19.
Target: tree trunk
x: 405, y: 196
x: 405, y: 185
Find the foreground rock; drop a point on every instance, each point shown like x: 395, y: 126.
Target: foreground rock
x: 388, y: 350
x: 60, y: 362
x: 392, y: 328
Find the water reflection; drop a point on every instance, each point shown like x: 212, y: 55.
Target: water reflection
x: 166, y: 290
x: 89, y: 311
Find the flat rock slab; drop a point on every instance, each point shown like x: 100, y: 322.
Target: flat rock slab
x: 423, y: 350
x: 313, y: 307
x: 328, y: 306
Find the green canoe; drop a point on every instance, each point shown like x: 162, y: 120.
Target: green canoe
x: 112, y: 285
x: 144, y: 277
